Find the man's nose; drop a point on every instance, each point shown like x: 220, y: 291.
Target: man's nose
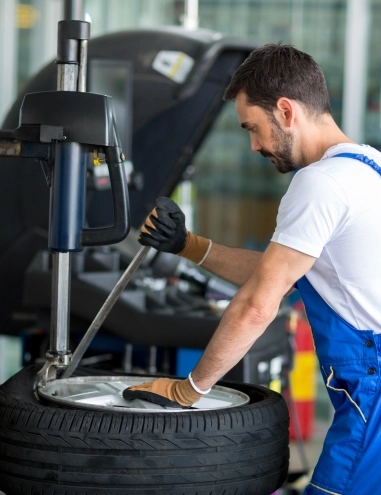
x: 255, y: 146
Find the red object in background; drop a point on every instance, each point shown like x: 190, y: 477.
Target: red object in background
x: 302, y: 393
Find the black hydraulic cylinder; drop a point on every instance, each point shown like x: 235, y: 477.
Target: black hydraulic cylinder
x: 67, y: 200
x: 70, y: 33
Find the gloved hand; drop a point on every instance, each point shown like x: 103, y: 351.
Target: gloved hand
x: 180, y: 391
x: 164, y: 229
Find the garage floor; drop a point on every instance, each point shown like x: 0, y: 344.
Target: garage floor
x: 312, y: 448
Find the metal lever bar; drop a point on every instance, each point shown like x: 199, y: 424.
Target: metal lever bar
x: 104, y: 311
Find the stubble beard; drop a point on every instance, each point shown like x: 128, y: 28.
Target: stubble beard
x: 282, y: 154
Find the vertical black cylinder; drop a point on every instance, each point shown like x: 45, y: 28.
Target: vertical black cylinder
x: 67, y: 198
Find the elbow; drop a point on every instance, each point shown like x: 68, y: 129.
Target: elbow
x: 261, y: 317
x: 256, y: 314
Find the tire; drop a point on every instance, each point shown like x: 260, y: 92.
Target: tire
x: 62, y: 451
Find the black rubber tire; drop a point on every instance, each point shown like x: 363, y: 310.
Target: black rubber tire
x: 61, y: 451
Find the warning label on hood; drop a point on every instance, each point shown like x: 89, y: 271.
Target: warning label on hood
x: 174, y: 65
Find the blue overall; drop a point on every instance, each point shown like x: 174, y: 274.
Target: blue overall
x: 350, y: 359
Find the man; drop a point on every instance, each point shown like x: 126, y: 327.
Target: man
x: 325, y: 243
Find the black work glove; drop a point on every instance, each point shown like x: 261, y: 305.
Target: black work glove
x: 164, y: 228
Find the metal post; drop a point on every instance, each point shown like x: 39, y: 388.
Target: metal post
x: 67, y: 76
x: 127, y: 360
x: 73, y: 10
x: 191, y: 22
x: 82, y: 68
x: 356, y: 68
x: 59, y: 327
x: 67, y: 190
x: 152, y: 360
x: 191, y: 14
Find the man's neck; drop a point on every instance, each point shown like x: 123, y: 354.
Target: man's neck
x: 320, y: 137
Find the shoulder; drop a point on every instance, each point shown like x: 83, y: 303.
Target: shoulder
x: 319, y: 181
x: 341, y: 176
x: 344, y: 160
x: 313, y: 210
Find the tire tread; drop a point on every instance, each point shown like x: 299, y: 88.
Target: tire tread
x: 49, y: 450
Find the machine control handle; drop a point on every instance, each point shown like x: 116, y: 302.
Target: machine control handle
x: 121, y: 227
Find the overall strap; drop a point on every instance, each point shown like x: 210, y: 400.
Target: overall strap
x: 361, y: 158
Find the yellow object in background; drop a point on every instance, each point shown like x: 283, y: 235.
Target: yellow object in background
x: 276, y: 386
x: 26, y: 16
x: 303, y: 376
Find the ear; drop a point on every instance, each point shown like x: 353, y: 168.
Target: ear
x: 285, y: 111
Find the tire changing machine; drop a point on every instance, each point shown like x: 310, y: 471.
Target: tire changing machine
x: 59, y: 129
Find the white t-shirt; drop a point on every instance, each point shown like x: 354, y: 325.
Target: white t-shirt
x: 332, y: 211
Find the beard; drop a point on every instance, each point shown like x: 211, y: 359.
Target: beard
x: 283, y: 145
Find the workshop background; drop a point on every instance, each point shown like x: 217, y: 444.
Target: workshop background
x: 233, y: 194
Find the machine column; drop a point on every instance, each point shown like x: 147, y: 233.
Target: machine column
x: 68, y: 189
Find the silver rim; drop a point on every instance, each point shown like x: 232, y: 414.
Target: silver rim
x: 105, y: 393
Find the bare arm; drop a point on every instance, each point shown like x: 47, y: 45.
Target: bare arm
x: 232, y: 264
x: 251, y: 311
x: 164, y: 229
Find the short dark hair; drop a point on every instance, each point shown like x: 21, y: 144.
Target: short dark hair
x: 274, y: 71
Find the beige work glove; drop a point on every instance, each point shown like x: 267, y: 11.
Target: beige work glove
x: 164, y: 229
x: 180, y: 391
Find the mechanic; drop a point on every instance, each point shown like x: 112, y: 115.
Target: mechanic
x: 326, y: 244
